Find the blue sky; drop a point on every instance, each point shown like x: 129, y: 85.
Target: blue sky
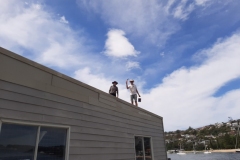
x: 184, y: 55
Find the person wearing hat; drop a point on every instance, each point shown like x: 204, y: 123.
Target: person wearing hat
x: 133, y: 91
x: 114, y: 89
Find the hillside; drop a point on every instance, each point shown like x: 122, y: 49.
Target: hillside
x: 214, y: 136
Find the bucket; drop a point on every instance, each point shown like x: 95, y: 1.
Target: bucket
x: 139, y: 99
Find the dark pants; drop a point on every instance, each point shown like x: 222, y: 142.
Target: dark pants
x: 113, y: 94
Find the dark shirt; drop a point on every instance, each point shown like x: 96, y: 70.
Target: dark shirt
x: 113, y: 89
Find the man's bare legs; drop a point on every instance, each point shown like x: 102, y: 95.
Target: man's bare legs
x: 136, y: 104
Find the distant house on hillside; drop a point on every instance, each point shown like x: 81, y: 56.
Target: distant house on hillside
x: 221, y: 134
x: 228, y: 124
x: 210, y: 136
x: 218, y: 125
x: 235, y: 124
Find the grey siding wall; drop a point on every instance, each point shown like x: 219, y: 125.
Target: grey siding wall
x: 102, y: 127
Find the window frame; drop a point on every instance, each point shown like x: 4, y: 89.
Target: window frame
x: 143, y: 145
x: 39, y: 125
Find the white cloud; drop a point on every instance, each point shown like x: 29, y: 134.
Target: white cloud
x: 185, y: 98
x: 183, y: 10
x: 63, y: 20
x: 201, y: 2
x: 101, y: 82
x: 117, y: 45
x: 96, y: 80
x: 31, y: 28
x: 145, y: 19
x: 132, y: 65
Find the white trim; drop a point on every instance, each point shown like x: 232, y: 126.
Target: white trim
x: 152, y: 154
x: 134, y: 147
x: 39, y: 125
x: 36, y: 145
x: 33, y: 123
x: 0, y: 125
x: 67, y: 144
x: 143, y: 147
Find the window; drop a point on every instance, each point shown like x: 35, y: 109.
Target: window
x: 17, y: 142
x: 143, y: 148
x: 29, y: 142
x: 52, y: 143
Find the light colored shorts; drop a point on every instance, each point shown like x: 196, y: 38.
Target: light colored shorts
x: 133, y: 97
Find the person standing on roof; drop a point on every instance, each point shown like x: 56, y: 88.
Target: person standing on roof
x: 133, y: 91
x: 114, y: 89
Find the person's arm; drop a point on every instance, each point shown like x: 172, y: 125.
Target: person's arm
x: 137, y: 91
x: 127, y: 84
x: 110, y: 89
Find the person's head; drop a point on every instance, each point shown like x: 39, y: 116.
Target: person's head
x: 114, y: 83
x: 131, y: 81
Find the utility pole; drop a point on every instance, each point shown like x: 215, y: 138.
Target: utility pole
x: 236, y: 145
x: 217, y: 143
x: 237, y: 134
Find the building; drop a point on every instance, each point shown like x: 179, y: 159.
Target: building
x: 218, y: 125
x: 45, y: 115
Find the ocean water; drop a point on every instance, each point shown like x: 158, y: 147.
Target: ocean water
x: 202, y: 156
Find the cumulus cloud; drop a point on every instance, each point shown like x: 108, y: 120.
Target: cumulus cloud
x: 117, y: 45
x: 187, y: 93
x: 95, y: 80
x: 132, y: 65
x: 31, y: 28
x: 101, y: 82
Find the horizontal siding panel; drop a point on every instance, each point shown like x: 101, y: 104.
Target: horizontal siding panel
x: 103, y: 144
x: 62, y: 83
x: 10, y: 114
x: 124, y: 159
x: 110, y: 110
x: 92, y: 125
x: 14, y: 114
x: 108, y: 97
x: 161, y: 156
x: 99, y: 131
x: 19, y: 115
x: 107, y: 102
x: 55, y: 105
x: 21, y: 72
x: 92, y: 151
x: 66, y: 114
x: 97, y: 137
x: 159, y: 143
x: 102, y: 157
